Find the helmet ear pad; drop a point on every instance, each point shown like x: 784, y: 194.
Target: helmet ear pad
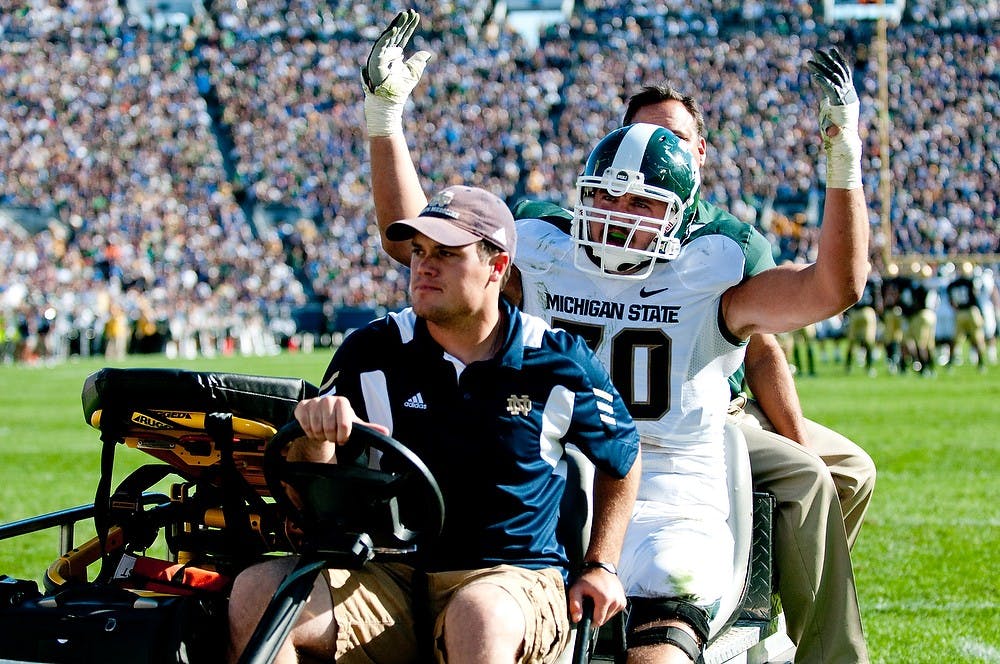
x: 641, y: 160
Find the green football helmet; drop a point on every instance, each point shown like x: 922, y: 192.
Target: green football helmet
x: 644, y: 160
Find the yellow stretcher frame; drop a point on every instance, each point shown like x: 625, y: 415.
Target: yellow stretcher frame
x: 179, y: 438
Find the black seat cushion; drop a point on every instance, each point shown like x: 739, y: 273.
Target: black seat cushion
x: 265, y: 399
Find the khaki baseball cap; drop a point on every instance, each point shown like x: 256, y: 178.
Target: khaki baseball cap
x: 458, y: 216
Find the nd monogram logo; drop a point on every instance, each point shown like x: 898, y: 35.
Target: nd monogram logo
x: 518, y: 405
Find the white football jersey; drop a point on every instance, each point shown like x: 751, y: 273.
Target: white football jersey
x: 662, y: 343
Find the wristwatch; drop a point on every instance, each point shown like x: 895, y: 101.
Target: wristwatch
x: 597, y: 564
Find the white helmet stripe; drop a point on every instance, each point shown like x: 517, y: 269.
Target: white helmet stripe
x: 633, y: 147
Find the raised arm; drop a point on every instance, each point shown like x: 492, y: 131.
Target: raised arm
x: 792, y: 296
x: 388, y: 81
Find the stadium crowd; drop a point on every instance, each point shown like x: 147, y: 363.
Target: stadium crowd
x: 162, y: 157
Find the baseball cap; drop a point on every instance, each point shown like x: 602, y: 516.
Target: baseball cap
x: 458, y: 216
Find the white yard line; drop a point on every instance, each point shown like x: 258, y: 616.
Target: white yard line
x: 932, y: 607
x: 982, y: 652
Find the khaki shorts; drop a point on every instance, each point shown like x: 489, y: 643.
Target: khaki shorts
x: 375, y: 619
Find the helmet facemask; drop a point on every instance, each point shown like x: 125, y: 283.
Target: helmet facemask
x: 621, y: 164
x: 609, y: 236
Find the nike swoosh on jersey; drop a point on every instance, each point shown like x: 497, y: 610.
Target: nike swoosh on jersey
x: 650, y: 293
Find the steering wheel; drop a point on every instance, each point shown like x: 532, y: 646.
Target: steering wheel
x: 397, y: 505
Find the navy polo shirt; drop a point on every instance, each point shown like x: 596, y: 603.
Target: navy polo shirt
x: 493, y: 432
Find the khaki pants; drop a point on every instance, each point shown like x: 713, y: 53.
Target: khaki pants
x: 822, y: 494
x: 920, y: 329
x: 862, y: 326
x: 969, y: 325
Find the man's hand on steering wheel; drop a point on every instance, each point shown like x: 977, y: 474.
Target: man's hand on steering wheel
x: 326, y: 421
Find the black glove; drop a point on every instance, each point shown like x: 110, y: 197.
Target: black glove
x: 840, y: 108
x: 832, y: 73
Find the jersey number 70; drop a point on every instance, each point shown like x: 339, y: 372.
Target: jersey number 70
x: 639, y: 365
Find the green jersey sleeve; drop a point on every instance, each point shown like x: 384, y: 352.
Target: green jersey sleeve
x: 756, y: 249
x: 559, y: 217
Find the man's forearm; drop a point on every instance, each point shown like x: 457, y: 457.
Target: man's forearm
x: 613, y: 503
x: 395, y: 188
x: 770, y: 380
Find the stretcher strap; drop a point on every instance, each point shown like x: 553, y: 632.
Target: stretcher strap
x: 239, y: 535
x: 112, y: 433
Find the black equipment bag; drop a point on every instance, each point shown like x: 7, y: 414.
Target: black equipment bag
x: 91, y: 624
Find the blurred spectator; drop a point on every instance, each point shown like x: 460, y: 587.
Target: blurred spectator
x: 162, y: 157
x: 116, y: 334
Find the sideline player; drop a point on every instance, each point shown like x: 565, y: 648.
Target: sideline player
x: 862, y: 326
x: 968, y: 317
x: 920, y: 309
x: 894, y: 285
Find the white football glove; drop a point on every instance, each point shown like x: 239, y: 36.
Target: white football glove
x: 840, y: 108
x: 387, y: 79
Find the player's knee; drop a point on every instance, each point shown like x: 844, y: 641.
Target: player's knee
x: 654, y: 622
x: 702, y: 571
x: 866, y: 473
x: 856, y: 475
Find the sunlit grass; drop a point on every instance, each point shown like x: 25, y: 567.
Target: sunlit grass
x: 926, y: 561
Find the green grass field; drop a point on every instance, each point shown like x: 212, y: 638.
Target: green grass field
x: 926, y: 562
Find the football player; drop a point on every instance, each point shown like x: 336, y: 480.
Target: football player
x: 988, y: 297
x: 862, y: 326
x: 669, y: 317
x: 968, y: 317
x: 894, y: 285
x: 920, y: 309
x: 822, y: 481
